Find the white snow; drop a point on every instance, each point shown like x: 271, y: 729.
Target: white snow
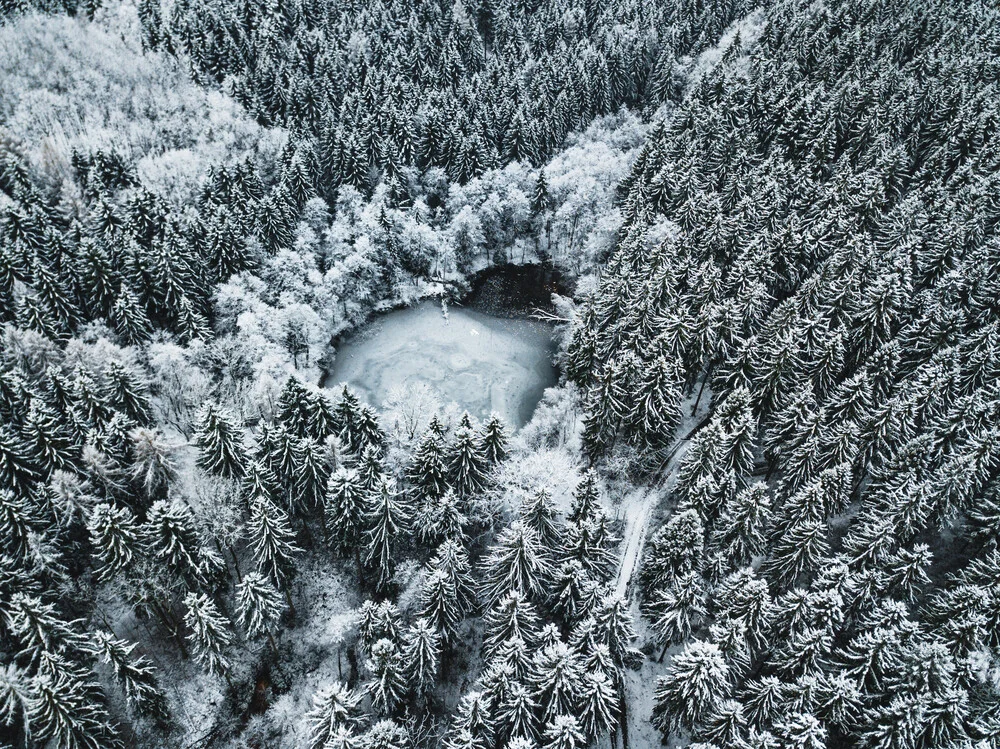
x: 481, y: 362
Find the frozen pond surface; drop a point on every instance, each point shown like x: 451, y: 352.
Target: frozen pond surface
x: 481, y: 362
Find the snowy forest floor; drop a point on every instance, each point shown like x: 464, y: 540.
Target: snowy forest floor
x: 638, y: 509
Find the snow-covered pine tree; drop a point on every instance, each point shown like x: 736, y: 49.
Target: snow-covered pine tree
x: 557, y: 680
x: 272, y: 541
x: 678, y: 609
x: 439, y: 604
x: 114, y: 537
x: 467, y: 463
x: 427, y: 471
x: 656, y: 413
x: 516, y: 562
x: 135, y: 674
x: 586, y: 498
x: 513, y: 616
x: 574, y: 593
x: 539, y: 514
x: 171, y: 538
x: 312, y: 475
x: 493, y: 441
x: 344, y: 510
x: 385, y: 518
x: 564, y: 731
x: 693, y: 687
x: 388, y: 684
x: 259, y: 606
x: 219, y: 439
x: 209, y: 632
x: 335, y: 711
x: 125, y: 390
x: 600, y: 698
x: 421, y: 652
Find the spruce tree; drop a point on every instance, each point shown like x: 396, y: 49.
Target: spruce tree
x: 114, y: 537
x: 388, y: 685
x: 209, y: 634
x: 427, y: 471
x: 171, y: 538
x: 439, y: 604
x: 46, y: 440
x: 538, y: 513
x: 516, y: 563
x: 129, y: 318
x: 467, y: 463
x: 272, y: 542
x: 335, y: 710
x: 599, y: 712
x: 219, y: 439
x: 344, y: 511
x: 421, y: 653
x: 586, y: 498
x: 512, y: 617
x: 126, y: 392
x: 557, y: 678
x: 385, y: 519
x: 693, y: 687
x: 17, y: 470
x: 135, y: 674
x: 259, y: 606
x: 493, y: 441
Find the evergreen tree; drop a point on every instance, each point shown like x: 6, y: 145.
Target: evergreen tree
x: 65, y: 711
x: 335, y: 710
x: 467, y: 463
x: 209, y: 634
x: 220, y: 443
x: 126, y: 392
x: 114, y: 537
x: 385, y: 519
x: 427, y: 471
x: 344, y: 510
x: 694, y: 686
x: 272, y: 541
x: 136, y: 676
x: 493, y: 441
x: 171, y: 538
x: 678, y: 609
x: 388, y: 684
x: 17, y: 471
x: 421, y: 656
x: 558, y: 681
x: 259, y: 606
x: 439, y: 604
x: 564, y: 732
x: 515, y: 563
x: 656, y: 413
x: 586, y: 499
x: 600, y: 705
x: 512, y: 617
x: 130, y: 319
x: 538, y: 514
x: 46, y: 440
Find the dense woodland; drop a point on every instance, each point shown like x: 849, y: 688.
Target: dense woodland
x: 778, y: 224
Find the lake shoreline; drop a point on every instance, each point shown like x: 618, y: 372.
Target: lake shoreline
x: 510, y: 290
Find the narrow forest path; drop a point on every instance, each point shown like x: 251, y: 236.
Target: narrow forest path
x: 638, y: 508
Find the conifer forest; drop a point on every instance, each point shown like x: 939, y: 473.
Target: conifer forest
x: 499, y: 374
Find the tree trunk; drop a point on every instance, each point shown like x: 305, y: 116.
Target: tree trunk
x: 708, y: 373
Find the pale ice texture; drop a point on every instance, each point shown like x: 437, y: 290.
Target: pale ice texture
x: 482, y: 363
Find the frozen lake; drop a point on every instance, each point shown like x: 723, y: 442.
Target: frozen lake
x: 481, y: 362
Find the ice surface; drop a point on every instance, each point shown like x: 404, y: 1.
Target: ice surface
x: 481, y: 362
